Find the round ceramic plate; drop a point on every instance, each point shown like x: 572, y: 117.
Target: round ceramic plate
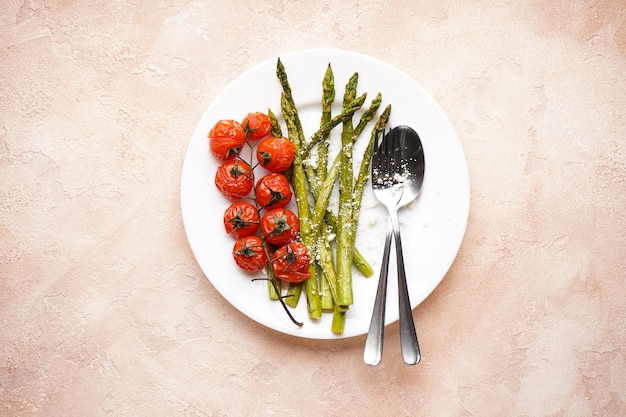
x: 432, y: 227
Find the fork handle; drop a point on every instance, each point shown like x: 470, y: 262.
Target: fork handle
x: 408, y: 337
x: 374, y: 344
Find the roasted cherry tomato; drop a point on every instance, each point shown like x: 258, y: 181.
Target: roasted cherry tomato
x: 226, y: 138
x: 234, y: 179
x: 272, y: 191
x: 257, y: 125
x: 275, y: 154
x: 291, y: 262
x: 279, y: 226
x: 241, y: 219
x: 249, y: 253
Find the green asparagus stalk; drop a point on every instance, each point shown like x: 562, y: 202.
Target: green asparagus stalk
x: 276, y: 130
x: 298, y: 181
x: 326, y: 296
x: 363, y: 176
x: 316, y: 170
x: 294, y: 291
x: 339, y: 321
x: 328, y: 282
x: 368, y: 115
x: 273, y: 285
x: 296, y: 134
x: 328, y: 97
x: 344, y: 212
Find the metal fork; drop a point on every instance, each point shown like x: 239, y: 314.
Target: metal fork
x: 388, y: 167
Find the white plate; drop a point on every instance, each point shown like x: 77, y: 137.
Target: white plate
x: 432, y: 227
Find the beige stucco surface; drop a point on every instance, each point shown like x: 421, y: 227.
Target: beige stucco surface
x: 104, y: 310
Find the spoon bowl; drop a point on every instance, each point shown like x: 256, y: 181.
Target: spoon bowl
x: 412, y: 165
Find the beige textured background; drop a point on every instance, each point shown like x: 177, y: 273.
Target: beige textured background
x: 104, y: 311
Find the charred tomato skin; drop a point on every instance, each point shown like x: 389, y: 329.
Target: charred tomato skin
x: 234, y: 179
x: 273, y: 191
x: 275, y: 154
x: 291, y: 262
x: 226, y: 138
x: 241, y: 219
x: 279, y: 226
x: 249, y: 253
x: 257, y: 125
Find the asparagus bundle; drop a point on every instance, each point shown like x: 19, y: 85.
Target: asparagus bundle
x: 330, y: 285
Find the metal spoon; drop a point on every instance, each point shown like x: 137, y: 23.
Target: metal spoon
x: 400, y: 158
x: 412, y: 168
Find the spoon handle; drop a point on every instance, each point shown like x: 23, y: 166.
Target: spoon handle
x: 374, y: 344
x: 408, y: 337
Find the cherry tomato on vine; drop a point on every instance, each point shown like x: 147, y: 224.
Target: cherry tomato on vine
x: 249, y: 253
x: 291, y: 262
x: 226, y: 139
x: 272, y: 191
x: 275, y: 154
x: 241, y: 219
x: 234, y: 179
x: 257, y: 125
x: 279, y: 226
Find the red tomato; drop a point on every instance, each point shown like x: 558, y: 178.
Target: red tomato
x: 234, y: 179
x: 257, y: 125
x: 275, y: 154
x: 291, y: 262
x: 226, y: 138
x: 272, y: 191
x: 279, y: 226
x: 249, y: 253
x: 241, y: 219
